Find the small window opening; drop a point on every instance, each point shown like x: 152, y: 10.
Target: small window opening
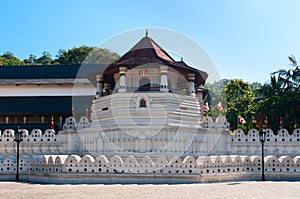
x: 143, y: 103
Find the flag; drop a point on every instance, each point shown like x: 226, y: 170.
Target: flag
x: 280, y: 123
x: 143, y: 73
x: 206, y: 107
x: 255, y: 122
x: 241, y: 120
x: 219, y: 107
x: 73, y: 112
x: 86, y: 111
x: 52, y: 123
x: 266, y: 123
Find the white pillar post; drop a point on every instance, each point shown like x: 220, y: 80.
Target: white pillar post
x: 191, y: 79
x: 6, y: 119
x: 60, y: 122
x: 164, y: 79
x: 122, y: 70
x: 42, y: 119
x: 24, y: 119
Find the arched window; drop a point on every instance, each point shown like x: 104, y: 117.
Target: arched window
x: 144, y: 84
x: 143, y: 103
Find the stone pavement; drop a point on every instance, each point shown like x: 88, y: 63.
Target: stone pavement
x: 246, y: 189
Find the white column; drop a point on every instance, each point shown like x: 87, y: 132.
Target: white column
x: 191, y: 79
x: 6, y: 119
x: 122, y: 88
x: 42, y: 119
x: 164, y: 79
x: 60, y: 122
x: 24, y: 119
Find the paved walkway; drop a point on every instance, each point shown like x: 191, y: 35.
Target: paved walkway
x: 210, y: 190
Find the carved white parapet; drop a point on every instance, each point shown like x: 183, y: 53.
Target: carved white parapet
x: 8, y: 135
x: 207, y: 122
x: 224, y: 164
x: 70, y: 123
x: 83, y: 123
x: 221, y: 122
x: 49, y: 135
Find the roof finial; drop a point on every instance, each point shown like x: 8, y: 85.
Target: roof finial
x: 182, y: 59
x: 146, y: 33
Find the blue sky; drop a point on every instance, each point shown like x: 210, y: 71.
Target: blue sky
x: 246, y: 39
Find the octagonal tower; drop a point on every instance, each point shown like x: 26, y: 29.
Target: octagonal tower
x: 146, y: 103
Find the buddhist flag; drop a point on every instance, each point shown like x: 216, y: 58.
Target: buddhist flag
x: 52, y: 123
x: 73, y: 112
x: 143, y: 73
x: 86, y: 111
x: 280, y: 123
x: 219, y: 107
x: 266, y: 123
x: 206, y: 107
x: 255, y: 122
x: 241, y: 120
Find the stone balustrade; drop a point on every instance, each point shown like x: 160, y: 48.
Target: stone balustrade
x: 234, y: 165
x: 280, y: 143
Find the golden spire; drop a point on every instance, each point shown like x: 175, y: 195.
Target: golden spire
x: 146, y: 33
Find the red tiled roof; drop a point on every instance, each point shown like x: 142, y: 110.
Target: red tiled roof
x: 148, y: 51
x: 145, y: 51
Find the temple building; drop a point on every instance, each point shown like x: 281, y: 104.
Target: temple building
x: 30, y: 96
x: 146, y: 102
x: 144, y: 125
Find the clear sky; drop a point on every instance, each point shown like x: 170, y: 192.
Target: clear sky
x: 246, y: 39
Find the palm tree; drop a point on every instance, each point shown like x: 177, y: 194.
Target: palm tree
x: 274, y: 88
x: 291, y: 77
x: 280, y: 97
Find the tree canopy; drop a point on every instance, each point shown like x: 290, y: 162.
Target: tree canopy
x: 278, y: 100
x: 76, y: 55
x: 239, y: 98
x: 8, y: 59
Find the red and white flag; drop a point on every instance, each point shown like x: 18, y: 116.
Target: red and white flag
x: 52, y: 123
x: 73, y: 112
x: 219, y: 107
x: 281, y: 123
x: 266, y: 123
x: 86, y: 111
x: 143, y: 73
x: 206, y: 107
x: 241, y: 120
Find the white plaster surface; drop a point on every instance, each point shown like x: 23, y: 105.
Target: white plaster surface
x: 245, y: 189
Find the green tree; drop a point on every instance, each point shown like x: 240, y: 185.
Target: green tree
x: 215, y: 96
x: 87, y: 55
x: 290, y: 78
x: 8, y: 59
x: 281, y: 97
x: 239, y: 101
x: 73, y: 56
x: 255, y: 86
x: 101, y: 56
x: 30, y: 60
x: 45, y: 59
